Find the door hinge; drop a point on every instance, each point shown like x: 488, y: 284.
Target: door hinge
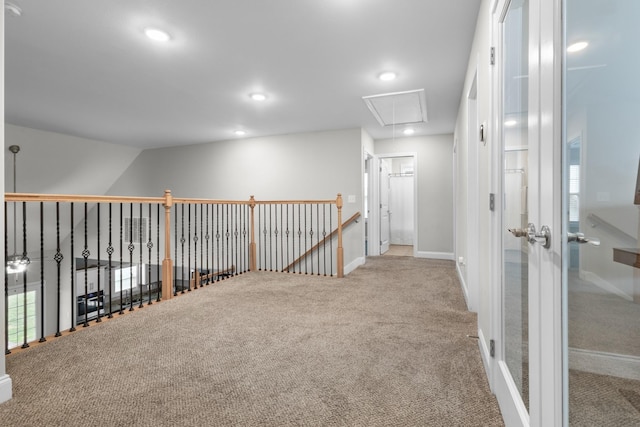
x: 492, y: 202
x: 492, y: 55
x: 492, y: 348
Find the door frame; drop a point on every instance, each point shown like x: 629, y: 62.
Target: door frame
x: 374, y: 217
x: 546, y: 357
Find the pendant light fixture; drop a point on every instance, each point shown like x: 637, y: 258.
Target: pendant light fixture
x: 16, y: 263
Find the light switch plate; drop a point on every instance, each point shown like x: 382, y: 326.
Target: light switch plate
x: 351, y: 198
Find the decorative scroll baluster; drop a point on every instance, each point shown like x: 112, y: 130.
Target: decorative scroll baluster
x: 235, y: 234
x: 85, y: 255
x: 201, y: 242
x: 58, y: 257
x: 227, y: 234
x: 207, y: 236
x: 140, y: 272
x: 131, y: 248
x: 310, y: 235
x: 6, y: 284
x: 196, y: 273
x: 150, y: 247
x: 182, y: 240
x: 24, y: 274
x: 175, y: 229
x: 219, y: 267
x: 42, y: 338
x: 122, y: 300
x: 158, y: 254
x: 73, y: 274
x: 287, y: 234
x: 110, y: 264
x: 189, y: 248
x: 324, y: 237
x: 100, y: 294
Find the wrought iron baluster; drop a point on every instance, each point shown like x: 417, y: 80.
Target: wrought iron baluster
x: 182, y: 240
x: 139, y: 268
x: 201, y: 241
x: 85, y: 256
x: 196, y: 273
x: 287, y: 240
x: 58, y: 257
x: 110, y: 263
x: 189, y: 247
x: 6, y: 284
x: 306, y: 259
x: 310, y: 237
x: 228, y: 251
x: 324, y: 237
x: 175, y: 245
x: 318, y: 234
x: 219, y: 266
x: 270, y: 247
x: 158, y: 279
x: 207, y: 236
x: 100, y: 294
x: 150, y: 247
x: 131, y: 248
x: 331, y: 240
x: 235, y: 234
x: 42, y: 338
x: 122, y: 301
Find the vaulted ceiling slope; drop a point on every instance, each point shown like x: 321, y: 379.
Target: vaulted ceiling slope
x: 85, y: 68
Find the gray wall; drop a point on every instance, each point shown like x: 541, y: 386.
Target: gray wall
x: 300, y: 166
x: 435, y: 187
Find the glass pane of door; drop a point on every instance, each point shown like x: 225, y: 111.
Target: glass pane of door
x: 515, y: 144
x: 601, y: 267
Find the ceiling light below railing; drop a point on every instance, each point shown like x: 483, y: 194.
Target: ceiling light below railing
x: 17, y: 264
x: 157, y: 35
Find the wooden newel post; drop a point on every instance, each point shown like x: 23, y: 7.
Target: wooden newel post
x: 167, y: 262
x: 340, y: 257
x: 252, y: 243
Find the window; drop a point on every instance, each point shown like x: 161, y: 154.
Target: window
x: 126, y: 279
x: 16, y: 312
x: 574, y: 193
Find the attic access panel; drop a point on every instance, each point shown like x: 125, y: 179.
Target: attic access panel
x: 398, y: 108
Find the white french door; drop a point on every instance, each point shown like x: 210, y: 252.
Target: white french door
x: 527, y: 366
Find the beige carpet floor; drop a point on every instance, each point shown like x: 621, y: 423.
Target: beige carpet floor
x: 386, y: 346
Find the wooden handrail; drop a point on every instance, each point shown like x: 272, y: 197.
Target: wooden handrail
x: 353, y: 218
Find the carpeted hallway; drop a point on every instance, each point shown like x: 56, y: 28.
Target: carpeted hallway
x: 386, y: 346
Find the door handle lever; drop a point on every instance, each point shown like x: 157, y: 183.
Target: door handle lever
x: 580, y: 238
x: 543, y: 236
x: 518, y: 232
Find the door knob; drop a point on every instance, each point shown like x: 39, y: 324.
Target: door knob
x: 543, y: 236
x: 579, y: 238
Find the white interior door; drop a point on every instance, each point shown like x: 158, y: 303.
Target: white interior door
x: 385, y: 188
x: 601, y: 172
x: 401, y: 209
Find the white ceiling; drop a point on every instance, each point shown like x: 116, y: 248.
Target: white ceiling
x: 85, y: 68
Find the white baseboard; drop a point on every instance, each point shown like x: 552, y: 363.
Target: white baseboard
x: 435, y: 255
x: 603, y: 284
x: 463, y: 284
x: 5, y: 388
x: 353, y: 265
x: 599, y: 362
x: 485, y: 355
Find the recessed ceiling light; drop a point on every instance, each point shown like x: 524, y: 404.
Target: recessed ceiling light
x: 577, y: 47
x: 510, y: 123
x: 240, y: 132
x: 258, y: 96
x: 157, y: 35
x: 409, y: 131
x: 387, y: 76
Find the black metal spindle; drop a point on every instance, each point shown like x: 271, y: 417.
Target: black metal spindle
x: 299, y: 238
x: 175, y: 243
x: 287, y: 240
x: 207, y: 236
x: 110, y: 263
x: 196, y: 273
x: 227, y: 234
x: 182, y: 240
x: 24, y: 274
x: 189, y: 247
x: 331, y: 240
x: 122, y: 301
x: 73, y: 275
x: 42, y: 338
x: 6, y: 284
x: 324, y: 237
x: 140, y: 272
x: 318, y: 234
x: 150, y: 247
x: 310, y: 237
x: 202, y: 241
x: 270, y: 247
x: 158, y: 253
x: 100, y: 294
x: 219, y: 266
x: 131, y: 247
x: 85, y: 255
x: 58, y: 257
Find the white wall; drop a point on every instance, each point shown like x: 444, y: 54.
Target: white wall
x: 55, y: 163
x: 435, y: 188
x: 299, y: 166
x: 478, y: 62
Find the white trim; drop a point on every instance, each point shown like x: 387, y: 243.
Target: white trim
x: 603, y: 363
x: 434, y: 255
x: 354, y: 264
x: 485, y: 355
x: 5, y: 388
x: 463, y: 285
x: 512, y: 410
x: 603, y: 284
